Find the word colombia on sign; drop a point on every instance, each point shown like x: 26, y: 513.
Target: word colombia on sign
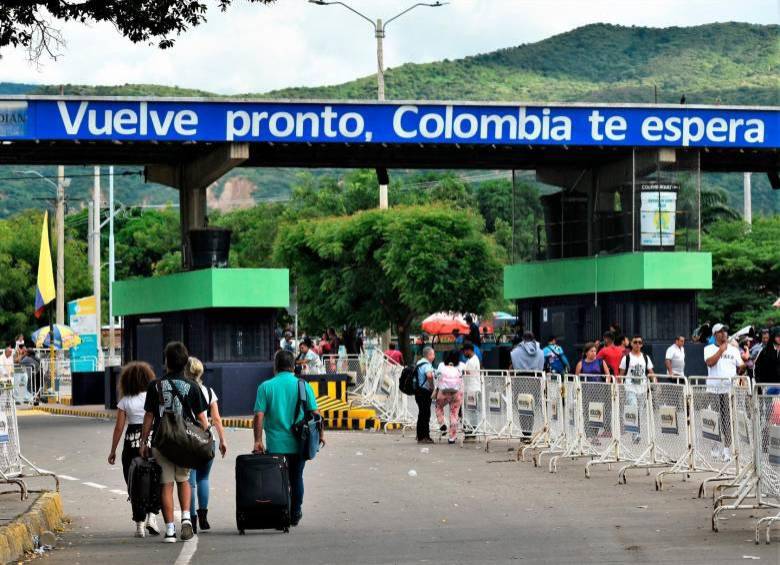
x: 220, y: 120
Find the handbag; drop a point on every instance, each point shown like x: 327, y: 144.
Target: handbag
x: 181, y: 441
x: 307, y: 431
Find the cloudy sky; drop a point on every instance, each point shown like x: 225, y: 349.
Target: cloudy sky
x: 255, y: 48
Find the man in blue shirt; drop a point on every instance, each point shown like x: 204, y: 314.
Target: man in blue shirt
x: 423, y: 394
x: 275, y: 412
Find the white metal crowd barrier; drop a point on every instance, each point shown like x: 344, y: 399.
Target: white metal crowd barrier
x: 728, y: 428
x: 14, y: 467
x: 350, y: 365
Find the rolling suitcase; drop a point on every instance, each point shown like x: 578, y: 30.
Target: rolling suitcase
x: 143, y: 484
x: 262, y: 493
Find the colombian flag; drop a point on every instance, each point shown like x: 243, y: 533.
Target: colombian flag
x: 44, y: 292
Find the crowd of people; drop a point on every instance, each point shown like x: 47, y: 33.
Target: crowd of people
x: 17, y: 354
x: 144, y: 399
x: 617, y: 355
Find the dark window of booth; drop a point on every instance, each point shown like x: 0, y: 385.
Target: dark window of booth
x: 241, y: 341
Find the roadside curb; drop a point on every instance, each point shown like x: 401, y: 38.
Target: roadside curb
x: 61, y: 411
x: 244, y: 423
x: 237, y: 423
x: 16, y: 538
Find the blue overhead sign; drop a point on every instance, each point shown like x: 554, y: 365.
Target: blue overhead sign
x: 325, y: 122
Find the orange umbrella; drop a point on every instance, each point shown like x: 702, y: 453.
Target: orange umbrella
x: 443, y: 323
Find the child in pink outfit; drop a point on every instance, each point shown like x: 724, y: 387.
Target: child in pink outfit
x: 449, y: 390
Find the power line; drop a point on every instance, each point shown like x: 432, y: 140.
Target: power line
x: 123, y: 174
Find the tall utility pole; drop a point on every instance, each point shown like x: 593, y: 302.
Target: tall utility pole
x: 60, y: 224
x: 111, y: 269
x: 379, y: 34
x: 96, y: 259
x: 748, y: 214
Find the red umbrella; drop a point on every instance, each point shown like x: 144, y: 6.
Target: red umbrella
x: 443, y: 323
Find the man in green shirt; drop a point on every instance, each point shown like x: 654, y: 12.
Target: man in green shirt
x: 275, y: 413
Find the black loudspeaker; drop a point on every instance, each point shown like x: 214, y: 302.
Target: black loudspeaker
x: 210, y: 247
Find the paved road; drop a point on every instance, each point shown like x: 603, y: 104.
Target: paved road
x: 361, y: 506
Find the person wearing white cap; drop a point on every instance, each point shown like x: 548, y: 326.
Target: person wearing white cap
x: 723, y: 361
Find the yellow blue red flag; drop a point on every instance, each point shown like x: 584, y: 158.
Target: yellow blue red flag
x: 44, y: 291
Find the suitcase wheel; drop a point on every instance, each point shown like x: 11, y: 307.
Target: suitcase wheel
x: 241, y: 532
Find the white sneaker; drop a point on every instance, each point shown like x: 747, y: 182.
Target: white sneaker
x: 151, y: 525
x: 169, y: 538
x: 139, y: 530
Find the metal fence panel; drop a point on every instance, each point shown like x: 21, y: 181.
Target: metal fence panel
x: 766, y: 406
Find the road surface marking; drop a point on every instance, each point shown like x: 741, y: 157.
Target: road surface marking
x: 187, y: 552
x: 94, y: 485
x: 67, y: 477
x: 117, y: 491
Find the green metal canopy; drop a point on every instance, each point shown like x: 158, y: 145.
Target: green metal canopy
x: 207, y: 288
x: 609, y: 273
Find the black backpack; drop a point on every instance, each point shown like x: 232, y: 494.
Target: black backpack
x: 407, y: 382
x: 627, y: 359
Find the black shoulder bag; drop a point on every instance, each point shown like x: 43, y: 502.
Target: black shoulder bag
x: 308, y: 430
x: 181, y: 441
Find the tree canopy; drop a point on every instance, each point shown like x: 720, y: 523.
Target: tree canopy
x: 745, y: 272
x: 31, y: 24
x: 377, y: 268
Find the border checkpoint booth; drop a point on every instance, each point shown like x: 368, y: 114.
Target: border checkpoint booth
x: 226, y: 317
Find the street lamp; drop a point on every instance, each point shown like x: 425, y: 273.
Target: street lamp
x: 379, y: 33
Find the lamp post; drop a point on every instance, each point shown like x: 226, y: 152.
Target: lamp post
x: 379, y: 33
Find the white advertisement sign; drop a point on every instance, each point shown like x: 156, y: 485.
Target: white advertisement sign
x: 658, y: 208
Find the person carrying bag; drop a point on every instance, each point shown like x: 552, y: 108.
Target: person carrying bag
x: 180, y: 439
x: 174, y: 407
x: 309, y: 429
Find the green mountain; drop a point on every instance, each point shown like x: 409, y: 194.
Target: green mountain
x: 728, y: 63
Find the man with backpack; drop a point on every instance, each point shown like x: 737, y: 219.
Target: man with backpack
x: 635, y: 368
x: 423, y: 394
x: 554, y: 357
x: 275, y: 412
x: 176, y: 394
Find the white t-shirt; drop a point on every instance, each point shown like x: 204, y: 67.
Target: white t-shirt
x: 471, y: 374
x: 636, y: 372
x: 6, y: 365
x: 727, y: 366
x: 133, y: 407
x: 205, y: 390
x: 677, y: 356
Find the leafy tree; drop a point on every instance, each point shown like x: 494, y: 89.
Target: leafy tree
x: 377, y: 268
x: 20, y: 238
x: 495, y: 204
x: 745, y: 272
x: 144, y: 239
x: 254, y: 230
x: 28, y: 24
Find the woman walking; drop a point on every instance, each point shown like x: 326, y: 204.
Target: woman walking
x: 199, y: 478
x: 449, y: 390
x: 591, y: 366
x: 133, y: 382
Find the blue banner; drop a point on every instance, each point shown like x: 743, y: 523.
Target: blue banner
x: 323, y: 122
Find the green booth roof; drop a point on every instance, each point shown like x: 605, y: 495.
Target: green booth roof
x: 206, y: 288
x: 655, y: 270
